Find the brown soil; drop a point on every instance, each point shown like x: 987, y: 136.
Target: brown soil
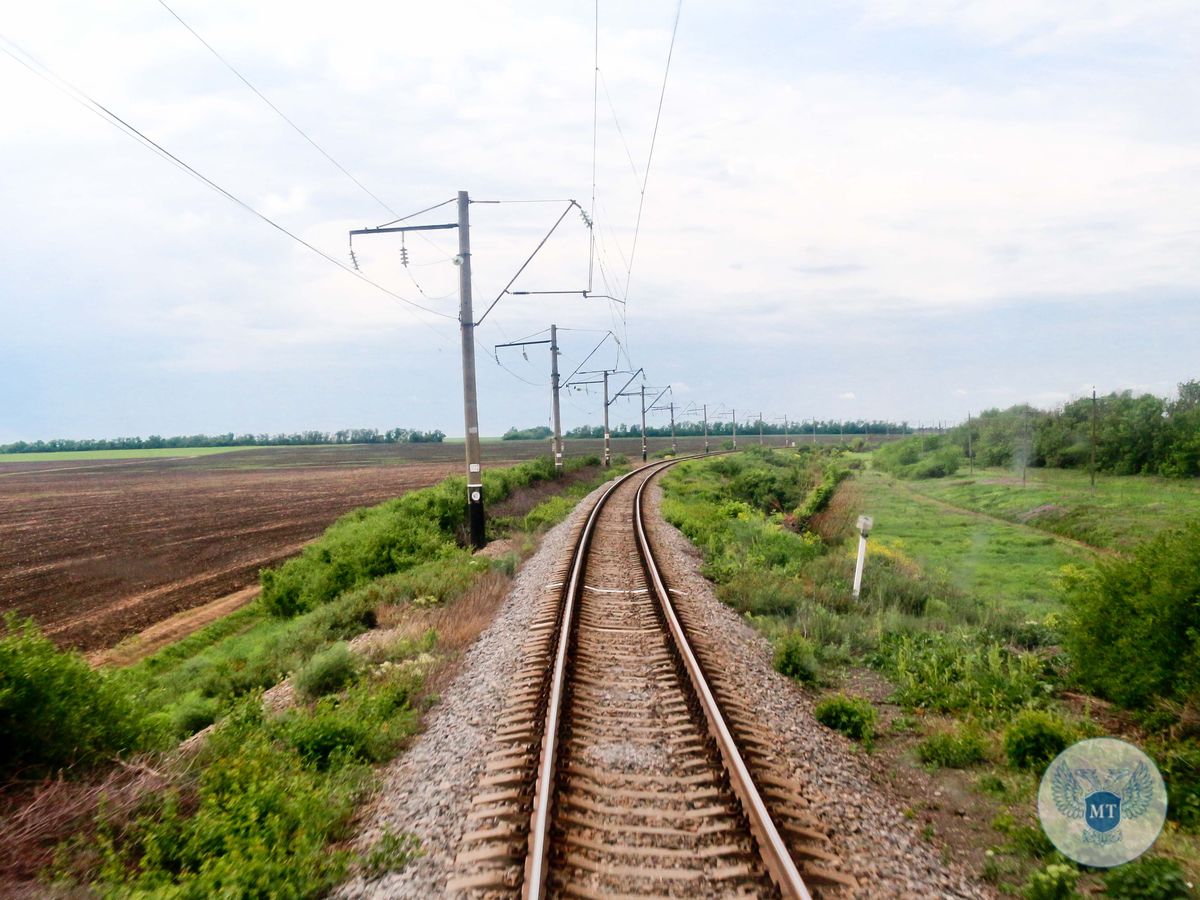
x: 96, y: 552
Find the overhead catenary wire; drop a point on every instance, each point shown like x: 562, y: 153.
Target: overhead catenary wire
x: 76, y: 94
x: 300, y: 131
x: 542, y: 243
x: 653, y: 139
x: 595, y: 122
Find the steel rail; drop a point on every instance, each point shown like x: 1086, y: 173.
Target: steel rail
x: 536, y: 861
x: 774, y: 851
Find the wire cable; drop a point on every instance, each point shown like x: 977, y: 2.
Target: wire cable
x: 79, y: 96
x: 570, y: 203
x: 653, y: 138
x: 277, y: 110
x: 595, y: 121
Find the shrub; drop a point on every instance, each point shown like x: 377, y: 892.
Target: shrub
x: 1179, y: 764
x: 952, y: 750
x: 818, y: 498
x: 391, y: 853
x: 257, y: 825
x: 1034, y: 738
x: 1055, y: 882
x: 327, y: 671
x: 852, y: 716
x: 959, y: 672
x: 795, y: 658
x: 930, y: 456
x: 1148, y: 878
x: 1123, y: 606
x: 55, y: 710
x: 419, y: 527
x: 192, y: 713
x: 1029, y: 841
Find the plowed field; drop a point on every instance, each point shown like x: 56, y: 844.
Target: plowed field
x: 98, y: 550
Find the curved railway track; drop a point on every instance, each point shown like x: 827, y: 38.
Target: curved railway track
x: 620, y: 766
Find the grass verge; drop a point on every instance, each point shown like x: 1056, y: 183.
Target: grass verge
x: 951, y: 664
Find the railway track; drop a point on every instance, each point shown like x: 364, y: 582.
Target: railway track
x: 621, y: 766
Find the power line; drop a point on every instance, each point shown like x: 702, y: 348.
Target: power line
x: 637, y: 176
x: 595, y: 120
x: 83, y: 99
x: 653, y: 137
x: 278, y: 111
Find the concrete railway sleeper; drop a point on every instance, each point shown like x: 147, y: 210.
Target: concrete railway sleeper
x: 619, y: 768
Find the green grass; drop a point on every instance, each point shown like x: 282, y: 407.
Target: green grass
x: 145, y: 453
x: 1122, y: 511
x: 996, y: 563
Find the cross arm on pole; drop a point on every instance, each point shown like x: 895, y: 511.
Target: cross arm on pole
x: 625, y: 385
x: 521, y: 343
x: 355, y: 231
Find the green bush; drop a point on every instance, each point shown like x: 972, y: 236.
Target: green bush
x: 952, y: 750
x: 922, y: 456
x: 391, y: 853
x: 1179, y: 764
x: 270, y: 798
x: 257, y: 825
x: 192, y: 713
x: 55, y: 710
x: 818, y: 498
x: 961, y: 673
x: 1034, y: 738
x: 1147, y: 878
x: 327, y: 671
x: 795, y: 658
x: 1123, y: 606
x: 365, y: 544
x: 852, y: 716
x: 1028, y: 841
x: 1055, y: 882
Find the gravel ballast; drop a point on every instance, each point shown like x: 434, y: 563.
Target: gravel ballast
x: 428, y: 790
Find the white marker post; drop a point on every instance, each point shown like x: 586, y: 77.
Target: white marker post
x: 864, y: 529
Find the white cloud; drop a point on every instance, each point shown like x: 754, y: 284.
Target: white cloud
x: 786, y: 203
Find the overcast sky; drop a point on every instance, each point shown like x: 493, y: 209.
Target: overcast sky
x: 900, y: 209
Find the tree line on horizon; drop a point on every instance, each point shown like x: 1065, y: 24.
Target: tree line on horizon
x: 229, y: 439
x: 715, y: 429
x: 1134, y: 435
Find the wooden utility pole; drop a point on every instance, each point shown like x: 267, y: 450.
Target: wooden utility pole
x: 970, y: 456
x: 558, y: 444
x: 607, y: 434
x: 466, y: 320
x: 643, y: 423
x: 706, y: 428
x: 1093, y: 465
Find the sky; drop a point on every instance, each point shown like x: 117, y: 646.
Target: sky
x: 864, y: 209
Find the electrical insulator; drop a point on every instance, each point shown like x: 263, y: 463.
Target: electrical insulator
x: 404, y: 256
x: 354, y: 259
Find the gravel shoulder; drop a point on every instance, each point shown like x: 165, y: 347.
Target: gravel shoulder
x: 427, y: 790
